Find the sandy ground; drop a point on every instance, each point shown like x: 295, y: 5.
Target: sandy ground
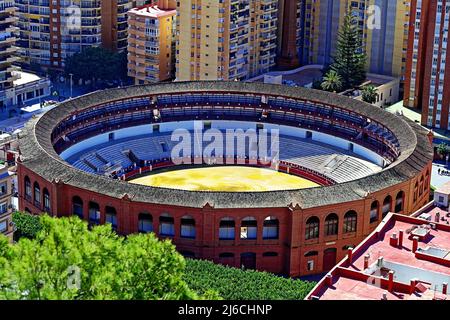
x: 229, y: 178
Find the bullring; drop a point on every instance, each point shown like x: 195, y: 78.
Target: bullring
x: 294, y: 232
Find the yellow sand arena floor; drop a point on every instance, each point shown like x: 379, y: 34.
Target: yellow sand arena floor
x: 225, y: 178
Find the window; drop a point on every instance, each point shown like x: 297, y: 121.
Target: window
x: 46, y: 201
x: 94, y: 212
x: 374, y: 211
x: 188, y: 227
x: 77, y: 207
x: 145, y: 223
x: 3, y: 188
x: 399, y: 201
x: 312, y: 228
x: 350, y: 221
x: 3, y: 208
x: 386, y: 206
x: 27, y: 188
x: 331, y: 224
x: 270, y: 254
x: 270, y: 228
x: 226, y: 229
x: 111, y: 217
x: 226, y: 255
x: 3, y: 225
x: 37, y: 195
x: 310, y: 265
x: 248, y: 228
x: 166, y: 225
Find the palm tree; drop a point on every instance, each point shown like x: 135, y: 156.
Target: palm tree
x: 332, y: 82
x: 370, y: 94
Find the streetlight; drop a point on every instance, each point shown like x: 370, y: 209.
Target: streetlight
x: 71, y: 77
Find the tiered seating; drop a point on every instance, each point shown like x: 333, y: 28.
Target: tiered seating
x: 337, y: 164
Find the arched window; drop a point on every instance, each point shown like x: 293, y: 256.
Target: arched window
x: 416, y: 191
x: 350, y: 221
x: 94, y: 212
x: 111, y: 217
x: 421, y: 186
x: 248, y: 228
x: 387, y: 203
x: 226, y: 229
x: 145, y: 222
x: 312, y: 228
x: 374, y: 207
x: 37, y: 195
x: 46, y: 201
x: 188, y: 227
x: 166, y: 225
x: 331, y: 224
x: 27, y: 188
x: 77, y: 207
x: 399, y: 201
x: 270, y: 228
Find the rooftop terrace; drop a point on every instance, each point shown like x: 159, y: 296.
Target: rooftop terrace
x: 405, y: 258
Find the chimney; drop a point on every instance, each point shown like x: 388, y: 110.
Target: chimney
x: 444, y: 288
x: 350, y: 255
x: 415, y: 244
x: 412, y: 286
x: 391, y: 281
x: 400, y: 239
x: 329, y: 280
x: 393, y: 241
x: 366, y: 261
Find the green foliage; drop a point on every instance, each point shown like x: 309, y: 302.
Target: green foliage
x: 27, y: 225
x: 237, y: 284
x: 109, y: 266
x: 350, y: 60
x: 332, y: 82
x: 96, y: 63
x: 443, y: 149
x: 369, y: 94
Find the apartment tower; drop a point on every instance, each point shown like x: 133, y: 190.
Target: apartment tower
x: 151, y: 44
x: 225, y: 40
x: 383, y: 25
x: 8, y: 37
x: 427, y: 73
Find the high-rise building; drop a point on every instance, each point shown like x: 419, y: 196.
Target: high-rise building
x: 383, y: 25
x: 289, y: 35
x: 51, y: 31
x: 6, y: 224
x: 225, y: 40
x: 151, y: 44
x: 8, y: 36
x: 428, y: 73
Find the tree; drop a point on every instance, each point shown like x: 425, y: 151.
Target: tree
x: 27, y: 225
x: 443, y: 149
x: 96, y: 63
x: 370, y: 94
x: 67, y: 261
x: 350, y: 60
x: 332, y: 82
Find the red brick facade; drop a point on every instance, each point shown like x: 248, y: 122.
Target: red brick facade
x: 290, y: 254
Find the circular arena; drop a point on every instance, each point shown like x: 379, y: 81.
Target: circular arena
x: 263, y: 176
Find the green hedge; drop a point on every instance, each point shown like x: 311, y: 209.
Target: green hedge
x: 237, y: 284
x: 27, y: 225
